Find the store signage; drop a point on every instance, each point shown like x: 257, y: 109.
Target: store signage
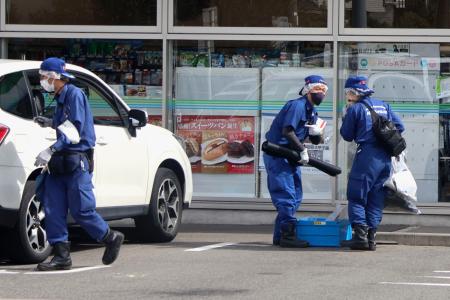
x: 400, y: 63
x: 219, y: 144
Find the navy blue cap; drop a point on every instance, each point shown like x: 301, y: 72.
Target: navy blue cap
x: 358, y: 83
x: 310, y: 81
x: 314, y: 79
x: 54, y: 64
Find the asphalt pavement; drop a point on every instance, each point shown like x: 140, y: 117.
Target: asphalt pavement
x: 235, y: 262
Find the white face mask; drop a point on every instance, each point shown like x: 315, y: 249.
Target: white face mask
x: 47, y: 86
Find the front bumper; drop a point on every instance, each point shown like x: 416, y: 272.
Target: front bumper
x: 8, y: 217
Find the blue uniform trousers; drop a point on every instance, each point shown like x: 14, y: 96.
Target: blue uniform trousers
x: 71, y: 192
x: 365, y: 191
x: 285, y: 186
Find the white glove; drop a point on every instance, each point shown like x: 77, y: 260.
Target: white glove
x: 304, y: 157
x: 43, y: 158
x: 43, y: 121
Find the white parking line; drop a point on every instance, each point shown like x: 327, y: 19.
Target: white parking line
x: 441, y: 271
x: 437, y: 277
x: 417, y: 283
x: 8, y: 272
x: 66, y: 271
x: 204, y: 248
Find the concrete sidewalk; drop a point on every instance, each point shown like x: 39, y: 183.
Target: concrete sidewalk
x: 414, y: 235
x: 387, y: 234
x: 220, y: 221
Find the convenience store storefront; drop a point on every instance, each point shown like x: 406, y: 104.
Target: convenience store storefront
x: 219, y: 71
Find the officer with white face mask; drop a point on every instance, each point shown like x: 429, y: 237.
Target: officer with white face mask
x: 296, y: 122
x: 68, y: 186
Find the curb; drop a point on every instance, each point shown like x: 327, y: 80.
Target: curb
x: 414, y: 238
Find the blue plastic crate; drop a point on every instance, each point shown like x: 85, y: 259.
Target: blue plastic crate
x: 321, y: 232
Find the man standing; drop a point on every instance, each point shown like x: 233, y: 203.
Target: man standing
x: 295, y: 122
x: 371, y: 165
x: 68, y: 186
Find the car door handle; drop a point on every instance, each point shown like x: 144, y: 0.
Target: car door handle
x: 102, y: 141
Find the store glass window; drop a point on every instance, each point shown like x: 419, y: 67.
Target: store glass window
x: 247, y: 13
x: 226, y: 95
x: 414, y: 78
x: 397, y: 14
x: 86, y: 12
x: 133, y: 68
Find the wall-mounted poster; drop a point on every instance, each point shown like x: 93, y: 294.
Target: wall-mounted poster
x: 219, y: 144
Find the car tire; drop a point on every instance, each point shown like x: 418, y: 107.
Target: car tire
x: 161, y: 222
x: 29, y: 239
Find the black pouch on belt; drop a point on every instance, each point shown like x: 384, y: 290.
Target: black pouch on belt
x: 64, y: 163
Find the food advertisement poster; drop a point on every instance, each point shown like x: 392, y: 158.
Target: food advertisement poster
x: 219, y: 144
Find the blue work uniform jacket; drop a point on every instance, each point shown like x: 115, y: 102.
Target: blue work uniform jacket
x: 357, y: 123
x: 295, y: 113
x: 73, y: 105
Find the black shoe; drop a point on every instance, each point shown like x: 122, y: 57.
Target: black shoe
x: 289, y: 238
x: 61, y: 260
x: 276, y: 242
x: 113, y: 241
x: 359, y: 239
x: 371, y: 236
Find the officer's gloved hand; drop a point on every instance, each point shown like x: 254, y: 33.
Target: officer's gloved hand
x: 43, y: 121
x: 304, y: 157
x: 43, y: 158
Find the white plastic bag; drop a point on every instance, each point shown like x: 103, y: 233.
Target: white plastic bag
x: 401, y: 187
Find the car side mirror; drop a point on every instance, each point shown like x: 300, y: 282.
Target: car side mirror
x: 137, y: 118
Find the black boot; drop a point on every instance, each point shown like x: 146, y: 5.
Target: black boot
x: 61, y: 260
x: 359, y: 239
x: 371, y: 236
x: 113, y: 241
x: 289, y: 238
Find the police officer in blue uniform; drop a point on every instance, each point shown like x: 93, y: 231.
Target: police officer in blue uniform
x: 295, y: 122
x: 371, y: 165
x: 68, y: 186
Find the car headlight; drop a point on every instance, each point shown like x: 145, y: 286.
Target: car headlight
x: 181, y: 141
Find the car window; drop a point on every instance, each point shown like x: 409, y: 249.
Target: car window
x: 102, y: 106
x: 14, y: 97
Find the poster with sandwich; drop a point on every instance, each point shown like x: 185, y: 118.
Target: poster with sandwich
x: 219, y: 144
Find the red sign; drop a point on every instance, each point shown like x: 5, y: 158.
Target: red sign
x: 219, y: 144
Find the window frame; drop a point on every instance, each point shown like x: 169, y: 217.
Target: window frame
x: 385, y: 31
x: 81, y: 28
x: 250, y: 30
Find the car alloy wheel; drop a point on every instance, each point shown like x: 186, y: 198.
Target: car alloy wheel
x: 37, y: 236
x: 168, y: 205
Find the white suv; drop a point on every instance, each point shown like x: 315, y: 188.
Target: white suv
x: 140, y: 172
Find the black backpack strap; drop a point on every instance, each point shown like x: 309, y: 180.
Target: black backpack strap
x: 372, y: 112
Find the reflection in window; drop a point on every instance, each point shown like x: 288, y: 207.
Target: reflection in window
x: 262, y: 13
x: 397, y: 14
x: 86, y: 12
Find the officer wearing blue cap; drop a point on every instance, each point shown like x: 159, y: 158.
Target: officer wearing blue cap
x: 371, y: 165
x: 69, y: 161
x: 295, y: 122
